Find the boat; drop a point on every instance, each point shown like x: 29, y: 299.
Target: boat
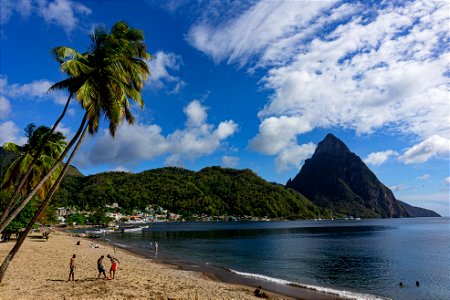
x: 99, y: 231
x: 131, y: 228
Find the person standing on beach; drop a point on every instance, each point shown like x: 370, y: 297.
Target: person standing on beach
x: 156, y: 247
x: 101, y: 269
x: 112, y: 271
x: 72, y: 268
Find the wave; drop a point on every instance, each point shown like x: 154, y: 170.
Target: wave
x: 340, y: 293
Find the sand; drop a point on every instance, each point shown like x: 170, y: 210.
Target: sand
x: 40, y: 271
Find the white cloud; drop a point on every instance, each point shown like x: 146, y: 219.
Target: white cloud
x: 131, y: 143
x: 160, y: 67
x: 67, y: 131
x: 277, y: 133
x: 230, y: 161
x: 278, y: 136
x: 36, y: 90
x: 423, y: 177
x: 400, y: 187
x: 8, y: 7
x: 5, y: 107
x: 64, y: 13
x: 9, y: 132
x: 294, y: 156
x: 374, y: 67
x: 121, y: 169
x: 378, y: 158
x: 434, y: 146
x: 134, y: 143
x: 196, y: 113
x: 255, y: 31
x: 198, y: 138
x: 447, y: 180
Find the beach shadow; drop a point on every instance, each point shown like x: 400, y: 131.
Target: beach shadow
x: 57, y: 280
x: 77, y: 280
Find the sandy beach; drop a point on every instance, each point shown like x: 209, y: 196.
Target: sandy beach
x: 40, y: 271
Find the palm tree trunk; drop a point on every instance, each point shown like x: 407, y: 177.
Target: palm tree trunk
x: 12, y: 215
x: 23, y: 179
x: 44, y: 203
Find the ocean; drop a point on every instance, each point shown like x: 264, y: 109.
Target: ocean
x: 361, y: 259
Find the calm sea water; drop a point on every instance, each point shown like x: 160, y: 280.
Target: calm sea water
x: 367, y: 257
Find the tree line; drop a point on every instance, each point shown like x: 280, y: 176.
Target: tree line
x: 213, y: 191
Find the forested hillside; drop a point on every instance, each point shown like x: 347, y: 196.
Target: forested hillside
x: 213, y: 191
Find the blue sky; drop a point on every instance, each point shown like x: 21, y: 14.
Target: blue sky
x: 252, y: 84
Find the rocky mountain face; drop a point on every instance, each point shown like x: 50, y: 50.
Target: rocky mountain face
x: 337, y: 179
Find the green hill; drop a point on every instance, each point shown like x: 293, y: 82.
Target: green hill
x: 213, y: 191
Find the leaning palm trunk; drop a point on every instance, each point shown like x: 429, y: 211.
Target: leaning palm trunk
x: 30, y: 195
x: 41, y: 208
x: 15, y: 198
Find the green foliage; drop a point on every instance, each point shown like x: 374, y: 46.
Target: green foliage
x: 23, y: 218
x: 99, y: 218
x: 79, y: 219
x: 212, y: 191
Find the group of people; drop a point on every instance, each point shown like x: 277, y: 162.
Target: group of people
x: 100, y: 267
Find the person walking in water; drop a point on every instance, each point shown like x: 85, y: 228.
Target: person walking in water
x: 112, y: 271
x: 72, y: 268
x: 101, y: 269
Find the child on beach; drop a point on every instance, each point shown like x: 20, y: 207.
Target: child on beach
x: 72, y: 268
x: 112, y: 271
x: 101, y: 269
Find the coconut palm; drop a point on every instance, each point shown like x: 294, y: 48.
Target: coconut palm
x: 46, y: 161
x: 105, y: 79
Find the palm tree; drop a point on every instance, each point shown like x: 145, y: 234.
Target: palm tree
x: 104, y: 80
x: 23, y: 179
x: 28, y: 153
x: 56, y: 150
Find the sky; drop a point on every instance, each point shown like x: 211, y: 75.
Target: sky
x: 251, y: 84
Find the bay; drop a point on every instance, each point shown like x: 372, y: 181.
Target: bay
x: 364, y: 259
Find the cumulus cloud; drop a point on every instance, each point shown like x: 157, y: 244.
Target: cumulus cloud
x: 294, y: 156
x: 373, y: 67
x: 277, y: 133
x: 378, y: 158
x: 131, y: 143
x: 37, y: 89
x: 198, y: 138
x: 230, y: 161
x: 160, y: 67
x: 9, y: 132
x: 134, y: 143
x: 278, y: 136
x: 434, y: 146
x: 63, y: 13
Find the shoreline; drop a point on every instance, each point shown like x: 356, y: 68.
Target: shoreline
x: 223, y: 275
x: 40, y: 271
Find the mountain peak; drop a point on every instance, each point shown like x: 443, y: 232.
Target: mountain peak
x: 332, y: 145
